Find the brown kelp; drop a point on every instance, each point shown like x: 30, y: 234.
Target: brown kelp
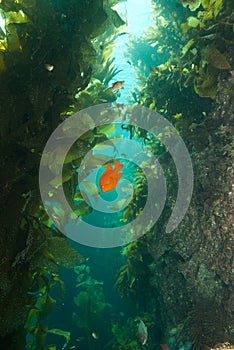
x: 193, y: 89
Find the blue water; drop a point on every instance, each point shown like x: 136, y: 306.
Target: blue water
x: 104, y: 263
x: 138, y: 18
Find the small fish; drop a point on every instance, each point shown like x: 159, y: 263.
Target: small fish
x: 109, y: 179
x: 49, y: 67
x: 120, y: 106
x: 117, y: 85
x: 95, y: 335
x: 142, y: 333
x: 164, y: 346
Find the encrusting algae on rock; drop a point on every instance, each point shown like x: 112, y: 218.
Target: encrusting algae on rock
x: 225, y: 346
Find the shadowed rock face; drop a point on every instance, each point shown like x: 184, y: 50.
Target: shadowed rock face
x: 193, y: 266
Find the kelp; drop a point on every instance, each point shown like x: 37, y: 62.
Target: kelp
x: 134, y: 273
x: 65, y: 334
x: 184, y: 90
x: 36, y: 333
x: 211, y: 55
x: 126, y: 337
x: 104, y: 71
x: 47, y: 56
x: 91, y: 308
x: 192, y: 4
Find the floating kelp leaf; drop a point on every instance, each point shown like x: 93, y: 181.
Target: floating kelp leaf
x: 3, y: 45
x: 214, y: 57
x: 78, y: 196
x: 65, y: 334
x: 80, y: 277
x: 194, y: 51
x: 108, y: 130
x: 80, y: 268
x: 205, y: 3
x: 16, y: 17
x: 32, y: 319
x: 212, y: 8
x: 193, y: 22
x: 192, y: 4
x: 187, y: 46
x: 82, y: 299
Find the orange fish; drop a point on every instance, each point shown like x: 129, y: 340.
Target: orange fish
x: 110, y: 177
x: 117, y: 85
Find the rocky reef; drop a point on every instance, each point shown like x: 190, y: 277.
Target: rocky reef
x: 190, y: 270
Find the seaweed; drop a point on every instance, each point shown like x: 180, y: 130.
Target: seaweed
x: 192, y: 89
x: 91, y: 309
x: 47, y: 55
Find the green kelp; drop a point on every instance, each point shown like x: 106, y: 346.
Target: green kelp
x: 126, y: 337
x: 192, y: 4
x: 104, y: 71
x: 133, y: 275
x: 197, y: 60
x: 92, y: 312
x: 64, y: 334
x: 47, y: 55
x: 142, y: 54
x: 36, y: 332
x: 189, y: 54
x: 210, y: 36
x: 192, y: 266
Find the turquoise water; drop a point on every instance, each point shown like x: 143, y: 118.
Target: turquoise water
x: 155, y: 271
x: 105, y: 263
